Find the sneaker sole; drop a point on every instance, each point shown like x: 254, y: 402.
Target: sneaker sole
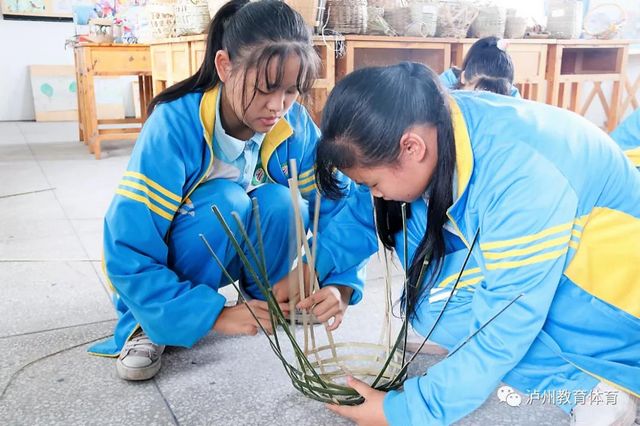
x: 138, y: 374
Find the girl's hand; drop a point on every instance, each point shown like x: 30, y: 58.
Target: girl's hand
x: 238, y: 319
x: 328, y: 302
x: 370, y: 412
x: 281, y: 289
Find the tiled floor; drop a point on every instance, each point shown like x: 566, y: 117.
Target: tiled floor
x: 52, y: 198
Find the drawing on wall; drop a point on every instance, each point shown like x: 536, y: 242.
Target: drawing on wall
x: 37, y: 8
x: 55, y: 96
x: 54, y: 92
x: 25, y: 6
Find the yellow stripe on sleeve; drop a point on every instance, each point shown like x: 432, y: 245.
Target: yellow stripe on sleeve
x: 306, y: 173
x: 146, y: 202
x: 527, y: 250
x: 528, y: 261
x: 308, y: 189
x: 155, y: 197
x: 304, y: 181
x: 527, y: 238
x: 471, y: 281
x: 154, y: 185
x: 452, y: 277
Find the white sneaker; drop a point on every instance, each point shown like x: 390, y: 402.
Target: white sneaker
x: 140, y: 359
x: 605, y: 406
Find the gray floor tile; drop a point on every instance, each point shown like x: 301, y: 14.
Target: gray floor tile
x: 10, y: 133
x: 21, y: 176
x: 376, y: 267
x: 47, y: 132
x: 72, y: 387
x: 10, y: 152
x: 90, y: 233
x: 34, y: 228
x: 85, y: 188
x: 41, y: 295
x: 74, y: 150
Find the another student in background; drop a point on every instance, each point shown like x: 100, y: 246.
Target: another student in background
x: 487, y: 66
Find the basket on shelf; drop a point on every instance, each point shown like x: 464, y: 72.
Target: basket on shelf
x: 162, y: 18
x: 424, y: 19
x: 516, y: 26
x: 564, y: 18
x: 192, y: 17
x: 347, y: 16
x: 454, y: 18
x: 376, y: 23
x: 399, y: 18
x: 491, y: 21
x: 605, y: 21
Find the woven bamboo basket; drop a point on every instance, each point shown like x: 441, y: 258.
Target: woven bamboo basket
x: 491, y: 21
x: 454, y: 18
x: 564, y: 18
x: 347, y: 16
x: 424, y: 19
x: 192, y: 17
x: 376, y: 23
x: 320, y: 366
x: 162, y: 18
x: 399, y: 18
x: 516, y: 26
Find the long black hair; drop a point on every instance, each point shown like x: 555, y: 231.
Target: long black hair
x: 487, y: 66
x: 363, y: 121
x: 253, y: 34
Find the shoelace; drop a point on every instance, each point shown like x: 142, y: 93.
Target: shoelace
x: 139, y: 344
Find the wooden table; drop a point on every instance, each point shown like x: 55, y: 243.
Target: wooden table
x: 574, y: 63
x: 368, y: 50
x: 95, y: 60
x: 175, y: 59
x: 631, y: 84
x: 529, y: 58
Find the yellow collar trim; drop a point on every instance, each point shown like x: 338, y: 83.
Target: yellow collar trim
x: 280, y: 132
x: 464, y: 155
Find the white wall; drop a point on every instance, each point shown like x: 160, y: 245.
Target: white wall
x: 24, y: 43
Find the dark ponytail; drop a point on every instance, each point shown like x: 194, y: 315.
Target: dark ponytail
x: 252, y: 33
x: 487, y: 66
x: 363, y: 121
x: 498, y: 85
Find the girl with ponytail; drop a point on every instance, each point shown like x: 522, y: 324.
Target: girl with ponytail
x: 222, y: 137
x: 523, y: 242
x: 486, y: 66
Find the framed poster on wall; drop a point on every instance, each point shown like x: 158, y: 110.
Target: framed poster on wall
x: 36, y: 8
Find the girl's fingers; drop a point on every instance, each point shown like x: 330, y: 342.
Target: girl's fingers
x: 337, y: 320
